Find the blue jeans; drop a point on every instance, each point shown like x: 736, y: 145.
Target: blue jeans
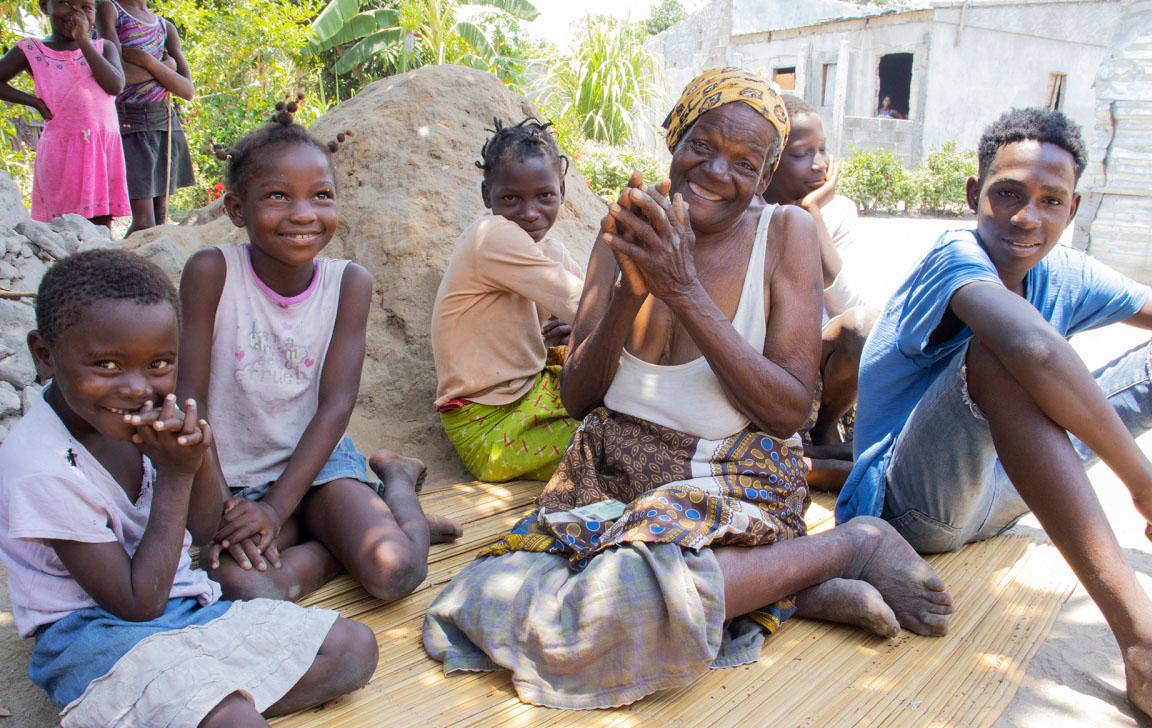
x: 945, y: 485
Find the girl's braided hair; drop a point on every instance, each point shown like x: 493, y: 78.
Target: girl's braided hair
x: 528, y: 138
x: 282, y: 130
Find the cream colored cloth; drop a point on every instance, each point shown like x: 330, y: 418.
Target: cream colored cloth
x: 498, y: 290
x: 260, y: 648
x: 688, y: 397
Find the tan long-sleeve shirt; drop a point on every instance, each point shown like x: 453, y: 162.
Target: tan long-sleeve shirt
x: 498, y: 290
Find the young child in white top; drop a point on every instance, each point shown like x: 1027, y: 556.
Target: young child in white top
x: 96, y: 499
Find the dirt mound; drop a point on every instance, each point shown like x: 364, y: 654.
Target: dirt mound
x: 408, y: 187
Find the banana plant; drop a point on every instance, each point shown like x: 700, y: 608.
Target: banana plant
x: 419, y: 29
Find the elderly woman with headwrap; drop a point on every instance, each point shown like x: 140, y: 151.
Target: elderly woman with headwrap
x: 669, y: 539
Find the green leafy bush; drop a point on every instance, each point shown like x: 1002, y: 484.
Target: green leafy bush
x: 607, y: 168
x: 941, y: 180
x: 876, y: 181
x: 244, y: 58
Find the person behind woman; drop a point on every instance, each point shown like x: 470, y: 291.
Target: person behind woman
x: 79, y: 159
x: 807, y: 178
x: 274, y: 343
x: 96, y: 502
x: 680, y: 503
x: 155, y: 150
x: 501, y: 315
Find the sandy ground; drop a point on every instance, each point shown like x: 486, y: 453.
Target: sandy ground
x: 1076, y: 677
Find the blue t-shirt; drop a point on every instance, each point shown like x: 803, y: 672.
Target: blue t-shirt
x: 1072, y: 292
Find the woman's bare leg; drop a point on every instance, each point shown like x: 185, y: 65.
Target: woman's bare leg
x: 864, y: 550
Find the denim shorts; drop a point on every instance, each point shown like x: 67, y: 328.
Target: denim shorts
x: 945, y: 487
x: 344, y: 462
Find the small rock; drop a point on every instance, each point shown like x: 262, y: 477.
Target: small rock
x: 29, y: 395
x: 8, y: 271
x: 17, y: 317
x: 12, y: 210
x: 164, y: 252
x: 13, y: 244
x: 30, y: 270
x: 16, y: 367
x: 80, y: 228
x: 47, y: 240
x: 96, y: 244
x: 6, y: 425
x: 10, y: 403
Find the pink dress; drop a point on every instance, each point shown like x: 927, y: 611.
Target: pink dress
x: 79, y: 159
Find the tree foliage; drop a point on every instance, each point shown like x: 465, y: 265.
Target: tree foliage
x: 410, y: 34
x: 244, y: 57
x: 664, y: 16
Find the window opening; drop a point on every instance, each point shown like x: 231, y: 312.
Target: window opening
x: 895, y: 73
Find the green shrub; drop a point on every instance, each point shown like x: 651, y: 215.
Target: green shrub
x: 607, y: 168
x: 876, y: 181
x: 941, y: 180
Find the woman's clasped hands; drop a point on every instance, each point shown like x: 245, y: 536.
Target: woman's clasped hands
x: 652, y: 240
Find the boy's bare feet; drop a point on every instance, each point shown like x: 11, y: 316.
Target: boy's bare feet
x: 849, y: 601
x: 442, y: 529
x: 909, y: 585
x: 1138, y: 676
x: 391, y: 466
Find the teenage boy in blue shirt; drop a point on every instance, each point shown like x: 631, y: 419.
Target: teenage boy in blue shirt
x: 969, y: 389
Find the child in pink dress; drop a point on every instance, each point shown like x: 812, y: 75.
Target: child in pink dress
x: 79, y: 159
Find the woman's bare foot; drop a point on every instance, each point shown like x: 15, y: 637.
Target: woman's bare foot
x: 442, y: 529
x: 848, y: 601
x: 393, y: 468
x: 909, y: 585
x: 1138, y: 676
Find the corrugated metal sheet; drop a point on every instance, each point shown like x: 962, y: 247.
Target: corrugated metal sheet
x: 1115, y: 224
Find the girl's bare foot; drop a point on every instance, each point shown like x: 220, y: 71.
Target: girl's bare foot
x: 1138, y: 676
x: 849, y: 601
x: 395, y: 470
x: 909, y: 585
x: 442, y: 529
x: 392, y: 467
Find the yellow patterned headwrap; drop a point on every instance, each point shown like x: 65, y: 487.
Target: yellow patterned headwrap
x: 719, y: 86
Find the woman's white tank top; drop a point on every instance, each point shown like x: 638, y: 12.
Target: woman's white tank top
x: 688, y: 397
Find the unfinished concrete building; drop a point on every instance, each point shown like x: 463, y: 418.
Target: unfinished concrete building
x: 948, y: 66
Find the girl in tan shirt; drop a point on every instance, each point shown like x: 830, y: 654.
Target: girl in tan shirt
x: 501, y: 315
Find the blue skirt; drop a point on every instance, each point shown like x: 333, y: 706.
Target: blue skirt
x: 81, y: 647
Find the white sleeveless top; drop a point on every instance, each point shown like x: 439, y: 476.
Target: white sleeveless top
x: 688, y: 397
x: 267, y: 355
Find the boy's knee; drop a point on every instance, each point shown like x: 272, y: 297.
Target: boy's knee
x: 394, y: 573
x: 926, y: 534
